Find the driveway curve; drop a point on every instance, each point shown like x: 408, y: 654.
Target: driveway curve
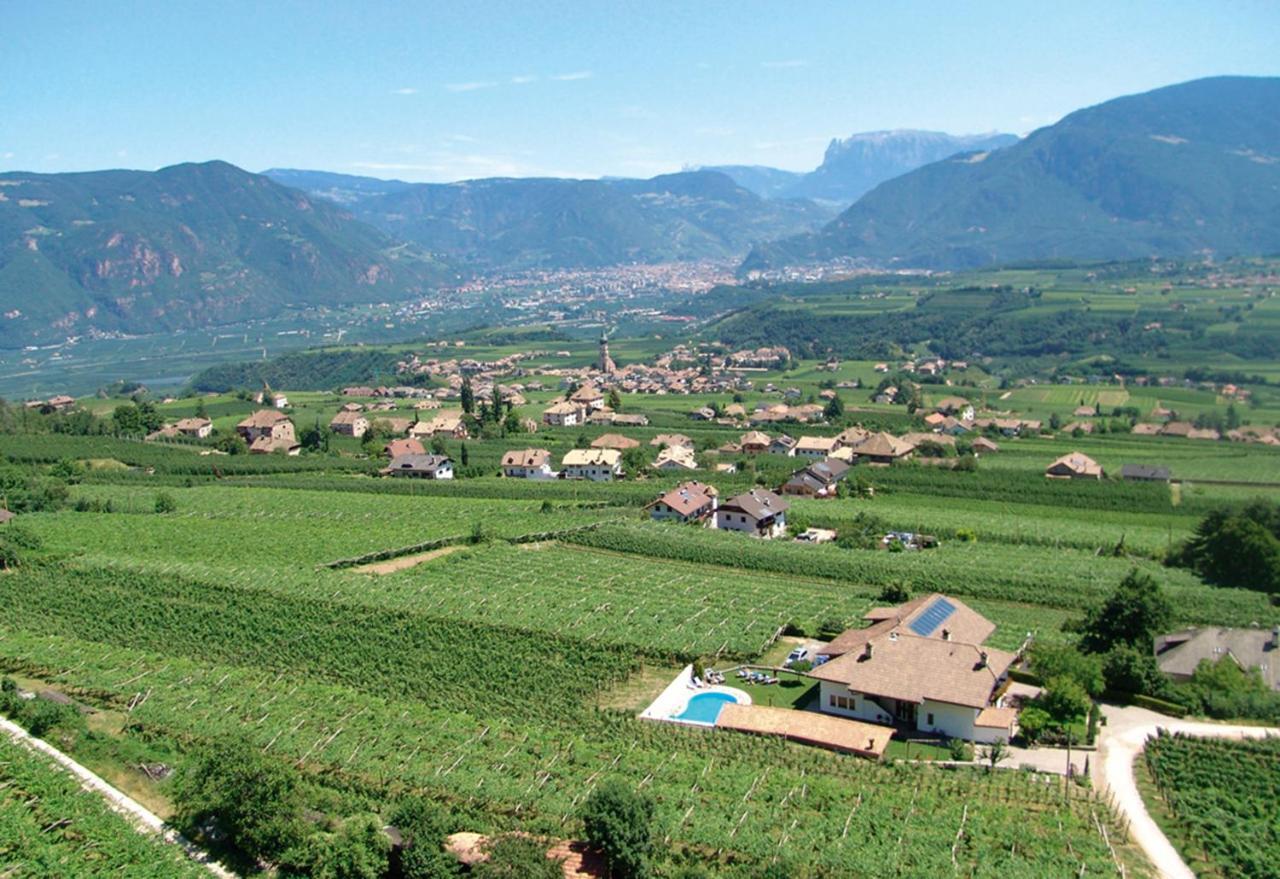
x: 1120, y: 743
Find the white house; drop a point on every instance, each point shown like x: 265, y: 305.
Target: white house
x: 420, y: 467
x: 195, y: 427
x: 687, y: 502
x: 527, y: 464
x: 921, y: 665
x: 676, y: 458
x: 598, y: 465
x: 758, y: 512
x: 563, y: 414
x: 816, y: 447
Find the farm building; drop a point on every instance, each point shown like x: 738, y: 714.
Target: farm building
x: 816, y: 446
x: 587, y: 397
x: 1074, y: 465
x: 614, y: 441
x: 921, y: 665
x: 268, y: 431
x: 1144, y: 473
x: 671, y: 440
x: 420, y: 467
x: 754, y: 443
x: 783, y: 445
x: 527, y: 464
x: 598, y: 465
x: 563, y: 414
x: 676, y: 458
x: 687, y: 502
x: 350, y: 423
x: 984, y: 446
x: 818, y: 480
x: 1180, y: 653
x: 398, y: 447
x: 197, y: 428
x: 882, y: 449
x: 758, y: 512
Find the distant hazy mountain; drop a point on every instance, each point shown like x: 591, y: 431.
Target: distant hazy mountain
x: 856, y: 165
x: 189, y: 245
x: 762, y: 180
x: 859, y: 163
x: 1180, y: 170
x: 549, y: 223
x: 342, y: 188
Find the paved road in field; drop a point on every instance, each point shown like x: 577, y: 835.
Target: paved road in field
x: 134, y: 812
x: 1119, y: 744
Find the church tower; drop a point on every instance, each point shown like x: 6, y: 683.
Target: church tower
x: 605, y: 363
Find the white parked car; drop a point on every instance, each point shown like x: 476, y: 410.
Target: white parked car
x: 800, y: 654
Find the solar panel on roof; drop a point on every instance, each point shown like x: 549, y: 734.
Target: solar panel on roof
x: 934, y: 615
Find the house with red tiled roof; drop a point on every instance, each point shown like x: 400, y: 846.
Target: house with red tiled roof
x: 921, y: 665
x: 527, y: 464
x: 687, y: 502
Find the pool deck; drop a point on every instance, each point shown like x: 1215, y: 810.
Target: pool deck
x: 808, y: 727
x: 676, y: 696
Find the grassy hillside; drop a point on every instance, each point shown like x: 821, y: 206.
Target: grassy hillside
x: 185, y: 246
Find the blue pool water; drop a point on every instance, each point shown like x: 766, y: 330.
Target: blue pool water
x: 705, y: 708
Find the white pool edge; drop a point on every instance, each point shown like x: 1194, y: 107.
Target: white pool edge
x: 676, y: 695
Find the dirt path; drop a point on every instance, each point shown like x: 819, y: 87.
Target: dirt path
x: 390, y: 566
x: 134, y: 812
x: 1121, y: 742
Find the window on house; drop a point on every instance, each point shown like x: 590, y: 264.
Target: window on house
x: 832, y: 697
x: 929, y: 719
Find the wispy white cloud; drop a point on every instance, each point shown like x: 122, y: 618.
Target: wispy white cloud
x: 120, y: 154
x: 469, y: 86
x: 782, y: 65
x: 572, y: 77
x: 8, y: 155
x: 714, y: 131
x: 404, y: 91
x: 523, y: 79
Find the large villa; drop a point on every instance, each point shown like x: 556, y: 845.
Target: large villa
x: 921, y: 665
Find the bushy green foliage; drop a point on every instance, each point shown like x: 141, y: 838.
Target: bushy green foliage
x: 1131, y: 617
x: 424, y: 826
x: 1223, y: 689
x: 359, y: 849
x: 511, y: 856
x: 619, y: 821
x: 1237, y: 547
x: 253, y: 799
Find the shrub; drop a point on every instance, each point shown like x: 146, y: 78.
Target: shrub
x: 961, y: 751
x: 165, y: 503
x: 619, y: 822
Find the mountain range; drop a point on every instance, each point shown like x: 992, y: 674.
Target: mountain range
x: 857, y: 164
x: 1180, y: 171
x: 522, y: 223
x: 188, y: 245
x: 1185, y: 170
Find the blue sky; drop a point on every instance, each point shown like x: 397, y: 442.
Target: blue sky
x: 435, y: 91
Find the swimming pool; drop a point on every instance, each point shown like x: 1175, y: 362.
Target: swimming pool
x: 704, y: 708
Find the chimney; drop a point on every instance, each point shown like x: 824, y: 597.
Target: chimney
x: 982, y: 659
x: 867, y: 650
x: 946, y: 634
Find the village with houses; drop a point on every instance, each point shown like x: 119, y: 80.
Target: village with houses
x: 899, y: 516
